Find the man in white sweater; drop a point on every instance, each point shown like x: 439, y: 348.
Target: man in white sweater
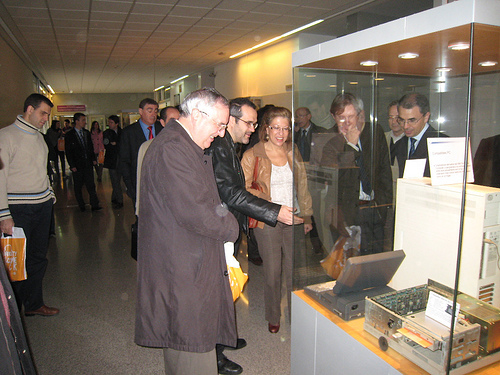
x: 26, y: 197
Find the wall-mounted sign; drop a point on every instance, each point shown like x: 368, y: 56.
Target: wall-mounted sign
x: 72, y: 108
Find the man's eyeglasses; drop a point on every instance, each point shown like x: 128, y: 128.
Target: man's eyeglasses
x: 249, y: 123
x: 410, y: 121
x: 219, y: 126
x: 277, y: 128
x: 343, y: 119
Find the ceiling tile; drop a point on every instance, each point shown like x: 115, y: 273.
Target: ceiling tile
x: 155, y: 2
x: 70, y: 23
x: 275, y: 8
x: 69, y: 14
x: 70, y: 41
x: 152, y: 10
x: 198, y: 3
x: 111, y: 6
x: 108, y: 16
x: 148, y: 19
x: 240, y: 5
x: 69, y: 4
x: 32, y: 11
x: 101, y: 24
x: 172, y: 22
x: 225, y: 14
x: 182, y: 11
x: 257, y: 16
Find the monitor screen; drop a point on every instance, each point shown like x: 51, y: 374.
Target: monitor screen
x: 368, y: 271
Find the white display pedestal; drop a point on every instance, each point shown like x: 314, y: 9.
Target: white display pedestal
x: 323, y: 343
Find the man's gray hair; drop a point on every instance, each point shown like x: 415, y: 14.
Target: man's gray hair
x: 204, y: 99
x: 343, y: 100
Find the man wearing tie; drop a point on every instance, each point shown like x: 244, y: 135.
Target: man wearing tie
x: 413, y: 116
x: 364, y: 191
x: 305, y: 132
x: 396, y: 132
x: 133, y: 136
x: 393, y: 136
x: 81, y: 160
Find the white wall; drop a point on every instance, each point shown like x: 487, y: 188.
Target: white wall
x: 17, y: 82
x: 264, y: 74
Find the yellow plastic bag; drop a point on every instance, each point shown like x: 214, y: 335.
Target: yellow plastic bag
x: 14, y: 254
x: 237, y: 279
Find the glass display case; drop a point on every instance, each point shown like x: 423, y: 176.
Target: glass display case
x: 450, y: 233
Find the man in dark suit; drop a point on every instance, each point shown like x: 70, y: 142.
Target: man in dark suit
x: 81, y: 160
x: 304, y: 140
x: 111, y: 139
x: 133, y: 137
x: 413, y: 116
x: 364, y: 191
x: 304, y: 135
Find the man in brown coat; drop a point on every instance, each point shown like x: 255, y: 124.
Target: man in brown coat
x: 184, y: 302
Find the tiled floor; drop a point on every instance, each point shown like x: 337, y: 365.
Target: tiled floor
x: 92, y: 279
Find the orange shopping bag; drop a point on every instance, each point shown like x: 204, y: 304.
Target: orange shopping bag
x: 100, y: 157
x: 14, y: 254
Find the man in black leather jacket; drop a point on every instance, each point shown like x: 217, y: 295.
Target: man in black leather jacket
x: 231, y: 184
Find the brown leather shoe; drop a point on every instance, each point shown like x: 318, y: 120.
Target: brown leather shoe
x: 274, y: 328
x: 44, y: 311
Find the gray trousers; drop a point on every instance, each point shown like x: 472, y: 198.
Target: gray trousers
x: 189, y: 363
x: 275, y: 246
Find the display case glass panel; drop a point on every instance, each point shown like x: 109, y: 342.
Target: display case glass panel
x: 450, y: 233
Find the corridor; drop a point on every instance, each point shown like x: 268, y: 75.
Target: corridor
x: 92, y: 279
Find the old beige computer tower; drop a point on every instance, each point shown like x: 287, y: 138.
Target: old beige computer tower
x: 427, y: 229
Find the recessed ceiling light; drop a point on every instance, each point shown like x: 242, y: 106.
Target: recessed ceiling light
x: 444, y: 69
x: 488, y: 63
x: 333, y: 85
x: 368, y: 63
x: 353, y: 83
x: 379, y: 79
x: 458, y: 46
x: 310, y: 75
x: 408, y: 55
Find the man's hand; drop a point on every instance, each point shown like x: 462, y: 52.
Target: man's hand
x: 352, y: 134
x: 6, y: 226
x: 307, y: 228
x: 287, y: 217
x: 73, y: 169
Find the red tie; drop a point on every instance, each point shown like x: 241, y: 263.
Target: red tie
x: 150, y: 128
